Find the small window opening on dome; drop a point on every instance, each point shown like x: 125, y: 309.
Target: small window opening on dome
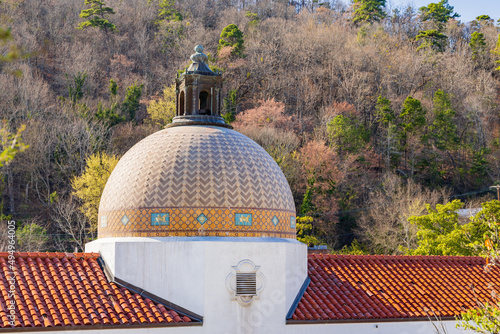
x: 204, y: 103
x: 246, y: 284
x: 181, y: 104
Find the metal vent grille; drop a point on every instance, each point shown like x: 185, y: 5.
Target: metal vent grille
x: 246, y: 284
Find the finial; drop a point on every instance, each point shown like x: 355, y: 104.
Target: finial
x: 199, y: 56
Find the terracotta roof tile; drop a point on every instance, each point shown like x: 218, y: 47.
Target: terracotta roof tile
x: 347, y: 287
x: 70, y: 289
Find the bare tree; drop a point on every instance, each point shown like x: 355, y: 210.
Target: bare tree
x: 70, y: 219
x: 384, y: 225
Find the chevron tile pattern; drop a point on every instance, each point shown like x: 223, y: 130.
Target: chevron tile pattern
x: 188, y: 171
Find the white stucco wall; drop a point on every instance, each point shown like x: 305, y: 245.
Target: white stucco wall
x: 418, y: 327
x: 192, y: 272
x: 404, y: 327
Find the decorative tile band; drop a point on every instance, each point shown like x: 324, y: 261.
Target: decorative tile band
x: 234, y: 222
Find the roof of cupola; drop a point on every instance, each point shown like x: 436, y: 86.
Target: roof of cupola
x: 199, y: 63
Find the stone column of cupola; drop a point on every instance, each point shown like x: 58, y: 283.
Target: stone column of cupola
x: 212, y: 109
x: 186, y: 111
x: 195, y: 97
x: 217, y: 104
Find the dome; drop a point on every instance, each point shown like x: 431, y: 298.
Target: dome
x: 197, y: 180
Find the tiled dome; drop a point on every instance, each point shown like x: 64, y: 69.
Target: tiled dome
x: 197, y: 180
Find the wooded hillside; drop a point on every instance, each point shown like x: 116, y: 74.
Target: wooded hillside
x: 369, y: 113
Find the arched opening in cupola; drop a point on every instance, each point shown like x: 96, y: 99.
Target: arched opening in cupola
x: 205, y: 103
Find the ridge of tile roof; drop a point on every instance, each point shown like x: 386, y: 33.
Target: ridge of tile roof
x: 71, y: 289
x: 345, y: 288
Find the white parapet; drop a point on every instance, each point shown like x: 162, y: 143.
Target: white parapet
x: 198, y: 274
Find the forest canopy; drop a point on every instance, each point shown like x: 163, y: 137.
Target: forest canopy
x: 371, y: 113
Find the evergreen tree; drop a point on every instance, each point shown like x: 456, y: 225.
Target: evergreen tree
x: 232, y: 36
x: 383, y: 112
x: 130, y: 104
x: 412, y: 122
x: 368, y: 11
x: 412, y: 115
x: 109, y: 115
x: 443, y: 128
x: 480, y: 21
x: 431, y: 40
x: 437, y: 13
x: 484, y: 18
x: 113, y: 88
x: 477, y: 44
x: 307, y: 206
x: 387, y: 121
x: 75, y: 86
x: 347, y: 134
x: 97, y: 15
x: 169, y: 12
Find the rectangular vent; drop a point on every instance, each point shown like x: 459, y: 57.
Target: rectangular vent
x: 246, y: 284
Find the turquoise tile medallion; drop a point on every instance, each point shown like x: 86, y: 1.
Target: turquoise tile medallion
x: 160, y: 219
x: 243, y: 219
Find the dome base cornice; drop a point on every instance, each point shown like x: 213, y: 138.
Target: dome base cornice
x: 198, y: 120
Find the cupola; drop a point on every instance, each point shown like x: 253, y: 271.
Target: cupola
x: 198, y: 92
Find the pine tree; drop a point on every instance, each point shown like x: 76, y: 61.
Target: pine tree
x: 347, y: 134
x: 130, y: 104
x: 486, y: 18
x: 368, y: 11
x: 412, y: 122
x: 412, y: 115
x: 431, y: 40
x: 169, y: 12
x: 387, y: 121
x: 443, y: 128
x: 232, y: 36
x: 97, y: 15
x: 437, y: 13
x: 477, y: 44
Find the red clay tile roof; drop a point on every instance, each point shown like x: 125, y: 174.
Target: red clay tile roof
x: 70, y: 289
x: 349, y: 287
